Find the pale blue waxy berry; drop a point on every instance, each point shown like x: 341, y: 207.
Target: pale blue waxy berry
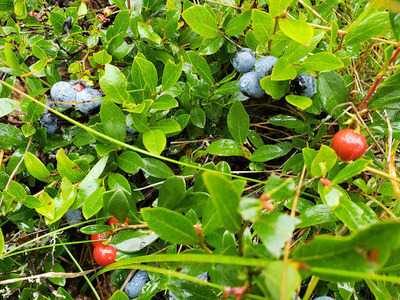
x: 324, y: 298
x: 250, y: 86
x: 264, y: 65
x: 244, y: 60
x: 88, y: 99
x: 304, y: 85
x: 63, y: 94
x: 73, y: 216
x: 49, y: 122
x: 136, y: 284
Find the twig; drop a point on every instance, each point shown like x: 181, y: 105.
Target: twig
x: 46, y: 275
x: 283, y: 286
x: 363, y: 105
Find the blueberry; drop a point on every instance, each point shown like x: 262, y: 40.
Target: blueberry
x: 304, y: 85
x: 136, y: 284
x: 203, y: 276
x: 264, y: 65
x: 73, y: 216
x: 250, y: 86
x: 63, y: 94
x: 49, y: 121
x: 324, y: 298
x: 88, y: 99
x: 244, y: 60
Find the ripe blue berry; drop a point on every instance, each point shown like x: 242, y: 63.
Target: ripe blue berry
x: 244, y: 60
x: 88, y: 99
x: 304, y: 85
x: 264, y: 65
x: 250, y: 86
x: 324, y: 298
x: 73, y: 216
x: 63, y: 94
x: 136, y: 284
x: 49, y: 122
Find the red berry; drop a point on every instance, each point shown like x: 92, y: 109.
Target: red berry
x: 104, y: 254
x: 114, y: 221
x: 349, y: 145
x: 98, y: 238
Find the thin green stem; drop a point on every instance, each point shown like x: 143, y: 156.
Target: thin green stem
x: 122, y: 144
x: 81, y: 270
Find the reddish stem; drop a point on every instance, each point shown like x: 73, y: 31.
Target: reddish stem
x: 363, y: 105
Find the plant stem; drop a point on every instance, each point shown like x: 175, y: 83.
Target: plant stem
x: 363, y: 105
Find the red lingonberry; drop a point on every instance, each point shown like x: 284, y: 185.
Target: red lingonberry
x: 349, y: 144
x: 104, y: 254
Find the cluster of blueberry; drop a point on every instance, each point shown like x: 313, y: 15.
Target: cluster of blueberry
x: 67, y: 94
x: 254, y: 69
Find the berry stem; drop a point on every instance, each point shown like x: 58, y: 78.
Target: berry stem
x: 363, y: 105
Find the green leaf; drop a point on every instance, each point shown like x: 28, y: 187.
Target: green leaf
x: 165, y: 102
x: 352, y: 169
x: 238, y: 122
x: 144, y: 74
x: 117, y: 203
x: 130, y: 162
x: 2, y: 243
x: 263, y: 25
x: 36, y: 168
x: 288, y: 122
x: 269, y: 152
x: 316, y: 215
x: 20, y: 9
x: 297, y: 30
x: 119, y: 295
x: 154, y: 141
x: 63, y: 201
x: 274, y: 230
x: 225, y: 147
x: 172, y: 192
x: 395, y: 23
x: 156, y: 168
x: 323, y: 62
x: 171, y: 74
x: 351, y: 252
x: 133, y: 240
x: 273, y: 279
x: 113, y: 120
x: 89, y: 184
x: 300, y: 102
x: 276, y: 89
x: 283, y: 70
x: 201, y: 20
x: 237, y: 24
x: 323, y: 161
x: 102, y: 57
x: 7, y: 106
x: 225, y: 200
x: 198, y: 117
x: 47, y: 209
x: 10, y: 136
x: 93, y: 204
x: 347, y: 211
x: 68, y: 168
x: 387, y: 95
x: 277, y: 7
x: 170, y: 225
x: 364, y: 28
x: 97, y: 228
x: 200, y: 65
x: 332, y: 91
x: 146, y: 32
x: 114, y: 84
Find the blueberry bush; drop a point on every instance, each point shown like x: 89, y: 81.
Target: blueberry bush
x: 204, y: 149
